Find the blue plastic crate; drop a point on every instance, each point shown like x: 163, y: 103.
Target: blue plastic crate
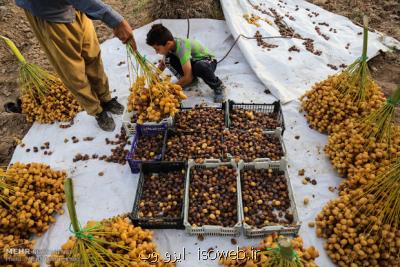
x: 145, y: 130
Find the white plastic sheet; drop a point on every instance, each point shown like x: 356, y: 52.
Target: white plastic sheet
x: 289, y: 79
x: 100, y: 197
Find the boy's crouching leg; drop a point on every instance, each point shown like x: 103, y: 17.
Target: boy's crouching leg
x: 205, y: 69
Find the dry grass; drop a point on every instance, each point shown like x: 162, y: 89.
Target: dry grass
x: 172, y: 9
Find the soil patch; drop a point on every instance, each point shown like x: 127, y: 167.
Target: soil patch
x: 383, y: 15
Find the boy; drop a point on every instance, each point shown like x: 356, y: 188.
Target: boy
x: 187, y: 59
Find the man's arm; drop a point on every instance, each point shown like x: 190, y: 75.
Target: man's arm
x: 187, y: 74
x: 98, y: 10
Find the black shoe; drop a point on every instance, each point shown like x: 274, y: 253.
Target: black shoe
x: 106, y: 122
x: 12, y: 107
x: 113, y: 106
x: 219, y: 94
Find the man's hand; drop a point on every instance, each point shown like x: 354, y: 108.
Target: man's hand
x: 132, y: 43
x: 124, y: 32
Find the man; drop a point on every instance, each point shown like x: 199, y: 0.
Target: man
x: 69, y: 39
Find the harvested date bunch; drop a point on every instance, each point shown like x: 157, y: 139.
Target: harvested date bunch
x: 153, y: 98
x: 213, y: 197
x: 197, y: 145
x: 44, y: 98
x: 355, y: 236
x: 200, y: 118
x: 251, y: 144
x: 23, y: 257
x: 58, y: 104
x: 265, y: 197
x: 162, y: 195
x: 37, y: 195
x: 306, y: 256
x: 134, y: 118
x: 360, y: 158
x: 246, y: 119
x: 350, y: 94
x: 325, y: 106
x: 148, y: 147
x: 136, y: 245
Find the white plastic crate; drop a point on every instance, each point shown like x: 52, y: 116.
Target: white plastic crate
x: 278, y: 134
x: 222, y: 106
x: 292, y: 229
x: 130, y: 127
x: 212, y: 229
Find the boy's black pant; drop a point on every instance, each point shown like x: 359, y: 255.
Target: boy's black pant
x: 203, y: 68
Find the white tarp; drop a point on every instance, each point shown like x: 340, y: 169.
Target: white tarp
x: 289, y: 79
x: 100, y: 197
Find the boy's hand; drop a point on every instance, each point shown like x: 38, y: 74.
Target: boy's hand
x: 161, y: 65
x: 124, y: 32
x: 187, y: 74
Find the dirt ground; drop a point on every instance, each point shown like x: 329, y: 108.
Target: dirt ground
x: 384, y: 16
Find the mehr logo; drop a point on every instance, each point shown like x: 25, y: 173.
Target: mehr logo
x: 18, y: 251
